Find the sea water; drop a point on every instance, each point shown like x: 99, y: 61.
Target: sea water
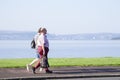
x: 62, y: 48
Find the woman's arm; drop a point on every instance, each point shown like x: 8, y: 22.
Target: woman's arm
x: 43, y: 44
x: 43, y: 48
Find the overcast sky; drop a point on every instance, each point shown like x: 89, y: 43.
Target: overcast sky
x: 61, y: 16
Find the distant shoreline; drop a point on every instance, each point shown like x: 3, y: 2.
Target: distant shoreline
x: 22, y: 35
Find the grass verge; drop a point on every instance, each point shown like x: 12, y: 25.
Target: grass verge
x: 58, y: 62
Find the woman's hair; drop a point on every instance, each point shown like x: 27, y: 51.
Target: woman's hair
x: 39, y: 30
x: 42, y: 29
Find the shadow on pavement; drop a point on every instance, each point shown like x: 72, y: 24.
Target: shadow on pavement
x: 86, y: 70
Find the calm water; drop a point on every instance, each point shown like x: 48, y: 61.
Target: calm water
x: 60, y: 49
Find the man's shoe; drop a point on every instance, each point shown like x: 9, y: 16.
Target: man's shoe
x: 33, y: 70
x: 48, y: 71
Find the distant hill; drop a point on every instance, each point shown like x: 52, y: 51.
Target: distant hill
x: 88, y: 36
x: 16, y: 35
x: 20, y: 35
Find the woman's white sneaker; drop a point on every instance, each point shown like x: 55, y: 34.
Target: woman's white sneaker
x: 28, y: 67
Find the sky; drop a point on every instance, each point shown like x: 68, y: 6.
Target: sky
x: 61, y: 16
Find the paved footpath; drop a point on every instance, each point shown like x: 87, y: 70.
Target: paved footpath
x: 59, y: 73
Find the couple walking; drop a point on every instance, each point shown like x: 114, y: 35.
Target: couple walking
x: 42, y: 47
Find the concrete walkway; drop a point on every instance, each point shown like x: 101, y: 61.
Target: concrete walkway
x: 59, y: 73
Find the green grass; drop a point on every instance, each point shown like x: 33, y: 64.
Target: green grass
x: 14, y: 63
x: 85, y: 62
x: 57, y: 62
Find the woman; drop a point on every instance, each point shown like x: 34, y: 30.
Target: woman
x: 28, y: 66
x: 43, y: 48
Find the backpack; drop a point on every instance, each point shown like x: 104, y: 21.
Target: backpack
x: 33, y: 45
